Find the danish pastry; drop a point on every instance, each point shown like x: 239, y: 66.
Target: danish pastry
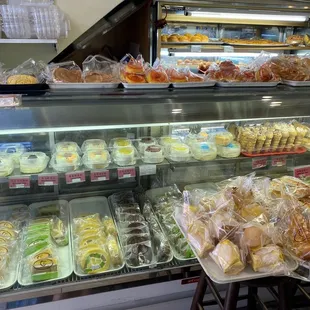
x: 156, y: 76
x: 134, y: 67
x: 177, y: 77
x: 134, y: 78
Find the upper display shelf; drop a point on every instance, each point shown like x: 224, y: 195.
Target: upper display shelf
x: 124, y: 109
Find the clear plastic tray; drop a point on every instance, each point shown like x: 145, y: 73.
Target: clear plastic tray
x: 6, y: 164
x: 194, y: 84
x: 88, y: 206
x: 96, y: 159
x: 33, y: 162
x: 125, y: 156
x: 247, y: 84
x: 93, y: 144
x: 65, y: 161
x: 64, y: 253
x: 82, y: 85
x: 296, y: 83
x: 146, y: 85
x: 218, y: 276
x: 67, y: 147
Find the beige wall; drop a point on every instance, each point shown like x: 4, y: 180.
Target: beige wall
x: 82, y: 13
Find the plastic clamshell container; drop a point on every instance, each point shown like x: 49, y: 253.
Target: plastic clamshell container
x: 223, y: 138
x: 88, y: 206
x: 33, y: 162
x: 93, y: 144
x: 218, y: 276
x: 178, y: 152
x: 194, y: 139
x: 96, y: 159
x: 67, y: 147
x: 204, y: 151
x: 65, y: 161
x: 64, y: 253
x: 144, y: 142
x: 231, y: 150
x: 153, y: 154
x: 6, y: 165
x: 15, y: 149
x: 166, y: 141
x: 125, y: 156
x: 120, y: 142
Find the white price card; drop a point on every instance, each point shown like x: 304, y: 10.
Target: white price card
x: 147, y: 170
x: 259, y: 162
x: 8, y: 101
x: 195, y: 48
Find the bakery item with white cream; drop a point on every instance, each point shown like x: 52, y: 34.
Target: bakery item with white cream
x: 153, y: 154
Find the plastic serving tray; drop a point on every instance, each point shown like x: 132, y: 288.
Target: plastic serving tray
x: 218, y: 276
x: 146, y: 85
x: 194, y: 84
x: 14, y: 264
x: 247, y: 84
x: 87, y: 206
x: 64, y: 253
x: 82, y: 85
x: 300, y: 150
x: 296, y: 83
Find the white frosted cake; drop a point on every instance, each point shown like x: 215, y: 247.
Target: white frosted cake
x: 124, y: 156
x: 204, y: 151
x: 179, y: 152
x: 153, y: 154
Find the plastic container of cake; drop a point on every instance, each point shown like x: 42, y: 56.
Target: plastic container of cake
x: 178, y: 152
x: 223, y: 138
x: 120, y: 142
x: 65, y: 161
x: 144, y: 142
x: 33, y: 162
x: 166, y: 141
x: 15, y: 149
x: 153, y: 154
x: 6, y: 164
x: 96, y: 159
x: 93, y: 144
x: 67, y: 147
x: 231, y: 150
x: 196, y: 138
x: 125, y: 156
x: 204, y: 151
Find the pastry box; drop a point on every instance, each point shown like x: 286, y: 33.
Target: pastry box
x: 93, y: 144
x: 125, y: 156
x: 15, y: 149
x: 33, y: 162
x: 6, y: 164
x: 65, y: 161
x: 67, y: 147
x: 95, y: 241
x: 96, y: 159
x: 204, y: 151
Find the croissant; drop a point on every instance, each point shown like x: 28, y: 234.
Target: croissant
x: 134, y: 78
x: 156, y: 76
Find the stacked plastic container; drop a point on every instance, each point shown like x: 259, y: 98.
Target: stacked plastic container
x: 41, y: 19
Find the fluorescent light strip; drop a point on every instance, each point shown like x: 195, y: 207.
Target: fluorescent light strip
x: 288, y: 18
x: 218, y: 54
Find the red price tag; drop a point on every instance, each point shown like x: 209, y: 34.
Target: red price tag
x: 48, y: 179
x: 99, y: 175
x: 75, y: 177
x: 124, y: 173
x: 278, y: 161
x: 190, y: 280
x: 258, y: 163
x: 19, y: 182
x: 302, y: 172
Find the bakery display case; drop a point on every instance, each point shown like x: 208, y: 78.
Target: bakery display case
x: 99, y: 175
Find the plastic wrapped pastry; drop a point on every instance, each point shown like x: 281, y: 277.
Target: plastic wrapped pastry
x: 227, y: 256
x: 59, y: 232
x: 229, y: 151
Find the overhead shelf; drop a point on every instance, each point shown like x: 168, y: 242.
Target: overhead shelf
x: 28, y: 41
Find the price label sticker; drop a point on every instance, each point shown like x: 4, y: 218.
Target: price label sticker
x: 99, y: 175
x: 10, y: 101
x: 147, y: 170
x: 19, y: 182
x: 48, y: 179
x: 195, y: 48
x: 228, y: 49
x: 258, y: 163
x: 278, y: 161
x: 302, y: 172
x: 124, y: 173
x: 189, y: 280
x: 75, y: 177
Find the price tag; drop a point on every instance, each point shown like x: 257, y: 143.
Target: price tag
x: 48, y: 179
x: 190, y: 280
x: 278, y: 161
x: 147, y: 170
x: 75, y: 177
x: 99, y: 175
x: 258, y: 163
x: 195, y: 48
x: 124, y: 173
x: 10, y: 101
x: 228, y: 49
x: 19, y: 182
x: 302, y: 172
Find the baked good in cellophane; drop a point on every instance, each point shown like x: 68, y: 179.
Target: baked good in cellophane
x: 29, y: 72
x: 157, y: 73
x: 64, y: 72
x: 99, y: 69
x: 132, y: 69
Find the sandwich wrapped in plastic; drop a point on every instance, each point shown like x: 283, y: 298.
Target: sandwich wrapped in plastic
x: 132, y: 69
x: 157, y: 73
x: 64, y: 72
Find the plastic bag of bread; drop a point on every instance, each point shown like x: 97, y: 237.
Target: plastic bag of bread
x: 295, y: 40
x: 157, y: 73
x: 98, y: 69
x: 64, y: 72
x: 29, y: 72
x: 176, y: 76
x: 193, y: 77
x: 132, y: 69
x: 228, y: 257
